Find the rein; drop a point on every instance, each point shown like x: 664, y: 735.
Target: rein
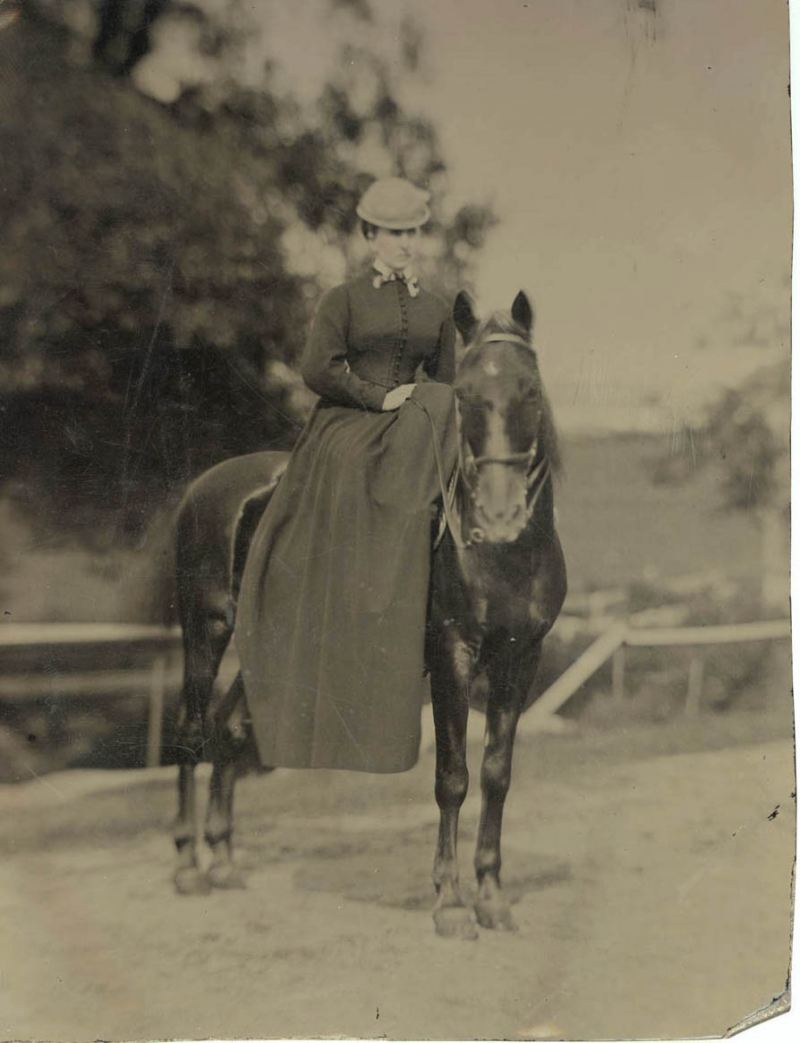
x: 448, y: 489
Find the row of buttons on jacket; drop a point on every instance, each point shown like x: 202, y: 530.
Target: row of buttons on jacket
x: 402, y: 296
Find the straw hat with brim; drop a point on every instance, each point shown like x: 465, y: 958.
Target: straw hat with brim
x: 393, y: 202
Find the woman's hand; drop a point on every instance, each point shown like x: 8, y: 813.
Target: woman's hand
x: 396, y: 397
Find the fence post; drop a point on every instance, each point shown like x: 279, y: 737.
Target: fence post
x: 618, y: 675
x: 156, y: 711
x: 694, y: 687
x: 561, y: 690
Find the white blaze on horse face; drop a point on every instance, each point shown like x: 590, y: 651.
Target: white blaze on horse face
x: 490, y: 368
x: 497, y: 443
x: 501, y: 489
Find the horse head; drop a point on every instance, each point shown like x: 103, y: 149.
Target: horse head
x: 506, y: 435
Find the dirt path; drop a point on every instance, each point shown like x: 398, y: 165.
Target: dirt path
x: 652, y: 899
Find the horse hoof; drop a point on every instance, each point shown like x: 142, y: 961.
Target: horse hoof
x: 455, y: 922
x: 226, y: 878
x: 191, y: 882
x: 495, y: 916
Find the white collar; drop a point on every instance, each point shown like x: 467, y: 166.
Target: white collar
x: 386, y: 274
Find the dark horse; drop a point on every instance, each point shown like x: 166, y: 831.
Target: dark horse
x: 498, y: 583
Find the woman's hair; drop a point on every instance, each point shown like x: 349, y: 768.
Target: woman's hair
x: 368, y: 230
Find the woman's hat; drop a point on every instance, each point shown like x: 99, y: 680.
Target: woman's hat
x: 393, y: 202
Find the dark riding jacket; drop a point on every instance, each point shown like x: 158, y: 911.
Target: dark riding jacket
x: 364, y: 341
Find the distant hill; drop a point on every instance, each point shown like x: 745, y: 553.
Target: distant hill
x: 616, y: 524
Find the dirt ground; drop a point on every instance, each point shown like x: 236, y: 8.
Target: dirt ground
x: 651, y: 891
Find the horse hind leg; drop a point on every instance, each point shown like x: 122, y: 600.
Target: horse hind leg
x: 205, y: 642
x: 233, y: 752
x: 206, y: 634
x: 188, y: 878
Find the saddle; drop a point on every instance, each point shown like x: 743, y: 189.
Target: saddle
x: 247, y: 521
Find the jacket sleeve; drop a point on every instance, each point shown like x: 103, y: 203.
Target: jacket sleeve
x: 324, y: 365
x: 442, y: 364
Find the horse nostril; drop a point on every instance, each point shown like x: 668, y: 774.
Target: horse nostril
x: 502, y: 514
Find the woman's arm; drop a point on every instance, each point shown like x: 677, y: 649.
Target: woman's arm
x: 324, y: 363
x: 442, y: 364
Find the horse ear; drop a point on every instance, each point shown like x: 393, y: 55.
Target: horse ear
x: 464, y: 316
x: 522, y: 312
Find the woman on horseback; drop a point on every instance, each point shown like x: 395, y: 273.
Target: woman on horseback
x: 332, y: 609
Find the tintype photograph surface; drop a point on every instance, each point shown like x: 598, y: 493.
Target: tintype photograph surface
x: 394, y: 519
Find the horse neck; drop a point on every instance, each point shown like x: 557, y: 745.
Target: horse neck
x: 541, y: 527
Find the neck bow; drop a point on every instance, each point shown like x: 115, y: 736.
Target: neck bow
x: 384, y: 274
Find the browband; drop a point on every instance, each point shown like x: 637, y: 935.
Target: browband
x: 506, y: 338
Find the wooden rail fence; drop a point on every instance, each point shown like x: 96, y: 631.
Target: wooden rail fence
x: 612, y: 645
x: 63, y: 660
x: 95, y: 660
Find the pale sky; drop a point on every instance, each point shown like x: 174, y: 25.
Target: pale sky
x: 640, y: 182
x: 640, y: 167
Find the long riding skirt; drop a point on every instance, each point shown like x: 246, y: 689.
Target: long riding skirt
x: 332, y: 610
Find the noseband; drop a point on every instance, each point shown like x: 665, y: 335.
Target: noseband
x: 536, y: 476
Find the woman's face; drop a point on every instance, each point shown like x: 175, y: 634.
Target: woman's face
x: 396, y: 248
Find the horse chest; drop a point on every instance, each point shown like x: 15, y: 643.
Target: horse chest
x: 477, y: 588
x: 499, y: 593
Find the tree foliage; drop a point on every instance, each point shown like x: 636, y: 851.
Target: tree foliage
x: 747, y: 430
x: 172, y: 206
x: 743, y: 436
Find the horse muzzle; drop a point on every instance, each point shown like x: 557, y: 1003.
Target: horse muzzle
x: 504, y: 523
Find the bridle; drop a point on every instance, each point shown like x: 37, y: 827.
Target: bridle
x: 536, y: 474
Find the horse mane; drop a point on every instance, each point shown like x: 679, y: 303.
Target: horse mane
x: 502, y: 322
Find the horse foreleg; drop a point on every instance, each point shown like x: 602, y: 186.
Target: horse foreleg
x: 510, y: 675
x: 449, y: 696
x: 231, y: 741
